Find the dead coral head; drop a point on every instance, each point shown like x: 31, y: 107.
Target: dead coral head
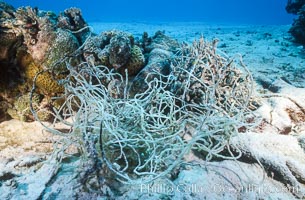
x: 135, y: 63
x: 119, y: 50
x: 64, y: 45
x: 76, y: 15
x: 6, y: 12
x: 21, y: 107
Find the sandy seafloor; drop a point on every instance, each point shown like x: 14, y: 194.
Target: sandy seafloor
x: 278, y: 67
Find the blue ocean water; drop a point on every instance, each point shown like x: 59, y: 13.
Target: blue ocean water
x: 214, y: 11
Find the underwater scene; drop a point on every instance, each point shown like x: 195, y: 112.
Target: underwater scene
x: 195, y: 99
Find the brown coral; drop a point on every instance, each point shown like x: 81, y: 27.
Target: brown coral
x: 21, y: 107
x: 158, y: 63
x: 33, y: 46
x: 46, y: 83
x: 119, y: 50
x: 160, y: 41
x: 135, y: 62
x: 63, y: 45
x: 110, y: 48
x: 72, y: 19
x: 46, y: 43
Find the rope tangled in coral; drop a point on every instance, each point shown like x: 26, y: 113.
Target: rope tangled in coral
x: 199, y: 106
